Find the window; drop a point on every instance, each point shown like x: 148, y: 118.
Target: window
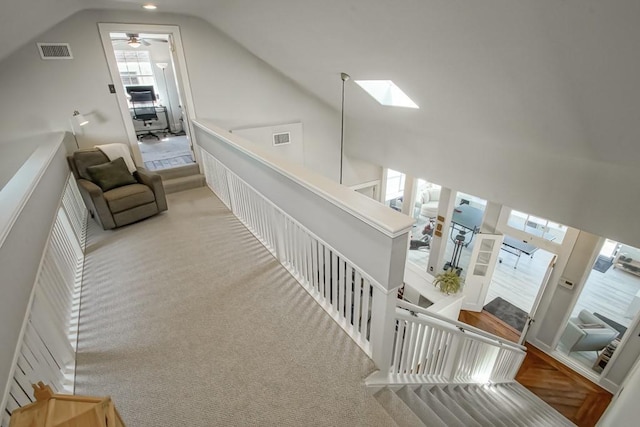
x: 135, y: 68
x: 541, y: 227
x: 386, y: 93
x: 395, y: 185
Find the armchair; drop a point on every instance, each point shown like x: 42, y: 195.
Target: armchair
x: 428, y: 202
x: 122, y: 205
x: 587, y: 333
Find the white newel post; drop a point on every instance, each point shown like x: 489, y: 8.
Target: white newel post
x: 383, y: 328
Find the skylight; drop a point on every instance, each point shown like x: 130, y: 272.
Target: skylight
x: 386, y: 93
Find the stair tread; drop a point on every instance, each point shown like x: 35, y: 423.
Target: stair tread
x: 397, y: 409
x: 184, y: 178
x: 428, y: 414
x: 497, y: 404
x: 540, y: 413
x: 175, y: 185
x: 457, y: 410
x: 463, y: 398
x: 178, y: 171
x: 551, y: 413
x: 438, y: 407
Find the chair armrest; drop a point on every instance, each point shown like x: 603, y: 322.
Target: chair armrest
x: 153, y: 181
x: 96, y: 203
x: 571, y: 335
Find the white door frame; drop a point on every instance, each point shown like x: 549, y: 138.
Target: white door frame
x: 181, y: 64
x: 531, y: 316
x: 477, y: 285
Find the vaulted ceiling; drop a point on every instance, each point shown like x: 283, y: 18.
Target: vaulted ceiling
x: 552, y: 75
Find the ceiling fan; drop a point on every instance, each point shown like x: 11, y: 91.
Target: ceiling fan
x: 134, y: 40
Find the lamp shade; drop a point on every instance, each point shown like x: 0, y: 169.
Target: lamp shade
x: 78, y: 119
x: 162, y: 65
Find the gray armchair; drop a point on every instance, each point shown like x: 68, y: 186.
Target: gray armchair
x: 583, y: 333
x: 122, y: 205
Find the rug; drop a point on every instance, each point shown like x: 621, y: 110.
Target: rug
x: 602, y: 264
x: 507, y: 312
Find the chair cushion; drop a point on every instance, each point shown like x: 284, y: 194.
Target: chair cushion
x: 111, y: 175
x: 84, y: 159
x: 127, y: 197
x: 586, y: 317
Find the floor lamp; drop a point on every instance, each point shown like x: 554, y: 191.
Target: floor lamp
x: 77, y: 121
x: 163, y: 66
x: 344, y: 77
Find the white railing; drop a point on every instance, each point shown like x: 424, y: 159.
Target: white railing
x: 343, y: 290
x: 349, y: 254
x: 430, y: 348
x: 47, y: 345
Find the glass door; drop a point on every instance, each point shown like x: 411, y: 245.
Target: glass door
x: 608, y: 304
x: 483, y: 261
x: 425, y: 210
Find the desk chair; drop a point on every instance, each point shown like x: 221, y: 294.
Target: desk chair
x: 144, y: 110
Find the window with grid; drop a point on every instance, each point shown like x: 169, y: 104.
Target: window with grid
x: 539, y: 226
x: 135, y: 68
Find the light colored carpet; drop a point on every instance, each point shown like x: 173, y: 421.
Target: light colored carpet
x: 186, y: 320
x: 165, y: 153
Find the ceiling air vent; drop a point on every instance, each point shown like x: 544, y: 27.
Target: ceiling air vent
x: 281, y: 138
x: 55, y: 51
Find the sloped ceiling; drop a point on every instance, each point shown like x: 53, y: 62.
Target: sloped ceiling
x: 559, y: 76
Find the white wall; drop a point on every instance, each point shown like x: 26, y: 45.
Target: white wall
x: 20, y: 256
x: 263, y: 137
x: 624, y: 409
x: 229, y: 85
x: 597, y: 197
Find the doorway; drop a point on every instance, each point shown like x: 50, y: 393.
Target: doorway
x: 608, y: 305
x: 153, y: 92
x: 517, y: 285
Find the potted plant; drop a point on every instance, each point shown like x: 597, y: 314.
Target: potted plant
x: 448, y: 282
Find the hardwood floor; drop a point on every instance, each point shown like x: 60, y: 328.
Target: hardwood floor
x: 490, y: 323
x: 569, y: 393
x: 573, y: 396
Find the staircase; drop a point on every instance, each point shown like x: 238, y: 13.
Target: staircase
x: 181, y: 178
x: 467, y: 405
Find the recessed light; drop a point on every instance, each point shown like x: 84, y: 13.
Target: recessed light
x: 386, y: 93
x: 150, y: 6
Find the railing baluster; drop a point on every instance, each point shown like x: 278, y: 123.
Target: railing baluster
x: 46, y: 348
x: 307, y: 262
x: 342, y: 285
x: 334, y: 281
x: 399, y: 343
x: 326, y: 272
x: 357, y: 296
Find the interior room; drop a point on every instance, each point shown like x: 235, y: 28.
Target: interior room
x: 145, y: 66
